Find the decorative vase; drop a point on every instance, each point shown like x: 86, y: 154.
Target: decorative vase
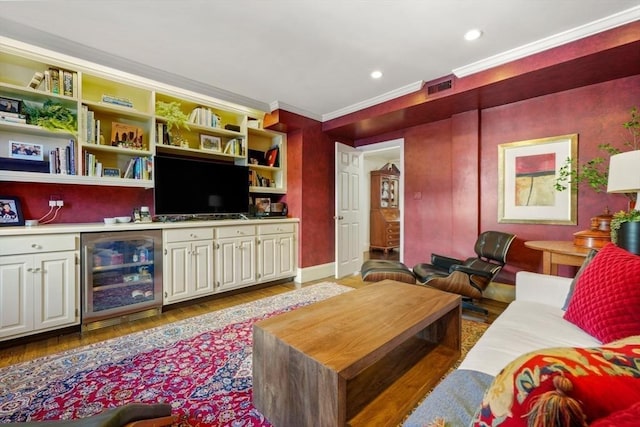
x: 629, y: 236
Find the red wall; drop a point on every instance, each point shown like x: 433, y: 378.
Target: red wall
x: 82, y: 203
x: 453, y: 164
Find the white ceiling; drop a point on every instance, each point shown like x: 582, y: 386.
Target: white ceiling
x: 312, y: 57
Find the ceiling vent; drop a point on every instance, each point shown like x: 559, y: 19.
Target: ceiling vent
x: 439, y: 87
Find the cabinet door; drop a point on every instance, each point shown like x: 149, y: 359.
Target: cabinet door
x: 16, y: 295
x: 286, y: 256
x: 175, y: 276
x: 202, y: 270
x: 267, y: 258
x: 55, y: 290
x: 235, y: 263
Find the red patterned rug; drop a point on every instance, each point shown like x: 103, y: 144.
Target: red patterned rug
x: 201, y: 366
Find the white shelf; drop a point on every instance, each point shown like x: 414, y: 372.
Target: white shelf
x: 50, y: 178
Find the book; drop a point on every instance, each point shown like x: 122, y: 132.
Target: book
x: 36, y: 80
x: 55, y: 80
x: 67, y: 83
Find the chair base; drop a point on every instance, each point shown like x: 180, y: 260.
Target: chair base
x: 375, y: 270
x: 468, y: 304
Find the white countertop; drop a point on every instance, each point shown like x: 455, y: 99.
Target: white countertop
x: 92, y: 227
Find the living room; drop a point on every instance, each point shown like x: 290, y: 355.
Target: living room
x: 451, y: 153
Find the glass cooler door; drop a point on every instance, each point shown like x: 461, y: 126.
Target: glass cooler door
x: 122, y: 273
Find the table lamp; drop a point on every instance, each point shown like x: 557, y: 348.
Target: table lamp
x: 624, y: 173
x: 624, y: 177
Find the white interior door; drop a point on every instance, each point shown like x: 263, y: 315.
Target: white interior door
x: 348, y: 211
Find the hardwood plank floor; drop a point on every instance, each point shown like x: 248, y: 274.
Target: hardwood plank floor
x: 29, y: 348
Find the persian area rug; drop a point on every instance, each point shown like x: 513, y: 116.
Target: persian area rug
x: 201, y: 366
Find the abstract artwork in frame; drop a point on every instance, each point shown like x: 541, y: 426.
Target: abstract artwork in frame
x: 527, y: 172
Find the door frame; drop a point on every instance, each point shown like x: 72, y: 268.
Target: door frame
x: 365, y: 202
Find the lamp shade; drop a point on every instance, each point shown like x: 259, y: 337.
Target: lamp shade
x: 624, y: 173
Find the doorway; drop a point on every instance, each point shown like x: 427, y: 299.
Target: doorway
x: 374, y: 156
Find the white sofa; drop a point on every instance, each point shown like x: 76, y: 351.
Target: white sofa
x: 532, y: 322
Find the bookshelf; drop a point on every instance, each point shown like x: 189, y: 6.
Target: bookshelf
x: 102, y: 99
x: 267, y: 175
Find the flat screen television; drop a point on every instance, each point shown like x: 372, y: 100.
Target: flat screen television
x: 185, y: 186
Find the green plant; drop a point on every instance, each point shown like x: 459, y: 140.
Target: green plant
x: 171, y: 112
x: 595, y: 172
x: 621, y: 217
x: 52, y: 115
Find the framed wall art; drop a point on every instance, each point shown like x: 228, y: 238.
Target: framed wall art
x: 10, y: 211
x: 527, y: 171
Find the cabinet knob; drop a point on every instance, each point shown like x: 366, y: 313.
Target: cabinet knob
x: 338, y: 217
x: 36, y: 246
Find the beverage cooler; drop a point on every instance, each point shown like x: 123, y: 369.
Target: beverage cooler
x: 122, y: 276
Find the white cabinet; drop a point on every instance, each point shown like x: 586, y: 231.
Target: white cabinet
x: 39, y: 284
x: 188, y: 264
x: 277, y: 254
x: 235, y: 257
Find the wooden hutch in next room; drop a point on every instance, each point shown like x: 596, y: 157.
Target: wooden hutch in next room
x: 385, y: 213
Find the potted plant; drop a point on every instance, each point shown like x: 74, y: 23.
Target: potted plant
x: 52, y: 115
x: 176, y: 119
x: 625, y: 230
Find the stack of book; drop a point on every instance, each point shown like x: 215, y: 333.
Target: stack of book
x: 13, y: 117
x: 57, y: 81
x: 117, y: 100
x: 62, y: 160
x: 204, y: 117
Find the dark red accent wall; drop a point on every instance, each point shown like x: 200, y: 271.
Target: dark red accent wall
x: 451, y: 170
x: 82, y: 203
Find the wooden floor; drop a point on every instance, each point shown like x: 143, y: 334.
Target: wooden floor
x: 29, y: 348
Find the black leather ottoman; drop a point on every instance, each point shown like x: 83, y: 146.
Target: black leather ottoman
x: 375, y: 270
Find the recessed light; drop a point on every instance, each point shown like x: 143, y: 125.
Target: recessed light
x: 376, y: 74
x: 473, y: 35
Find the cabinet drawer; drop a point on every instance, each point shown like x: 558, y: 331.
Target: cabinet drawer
x: 187, y: 234
x: 276, y: 228
x: 40, y: 243
x: 239, y: 231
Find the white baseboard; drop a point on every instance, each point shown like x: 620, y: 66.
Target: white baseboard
x: 315, y: 272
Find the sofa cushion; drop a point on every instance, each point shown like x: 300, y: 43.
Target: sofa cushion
x: 592, y: 253
x: 604, y: 380
x: 607, y: 295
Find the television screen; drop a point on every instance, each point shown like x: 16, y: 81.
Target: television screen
x: 199, y: 187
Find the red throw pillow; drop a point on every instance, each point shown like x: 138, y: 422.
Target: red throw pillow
x: 606, y: 299
x: 603, y: 380
x: 624, y: 418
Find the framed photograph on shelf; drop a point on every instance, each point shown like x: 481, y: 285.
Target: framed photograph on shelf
x: 8, y: 105
x: 111, y: 172
x: 211, y: 143
x: 263, y: 205
x: 26, y: 150
x: 527, y: 171
x: 10, y: 211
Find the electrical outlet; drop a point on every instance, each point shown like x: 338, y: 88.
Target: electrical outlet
x: 52, y: 203
x: 59, y: 203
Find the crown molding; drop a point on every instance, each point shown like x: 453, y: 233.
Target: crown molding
x: 62, y: 49
x: 279, y: 105
x: 598, y: 26
x: 387, y: 96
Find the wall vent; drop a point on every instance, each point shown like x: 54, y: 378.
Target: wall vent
x: 439, y: 87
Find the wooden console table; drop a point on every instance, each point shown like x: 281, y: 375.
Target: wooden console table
x: 555, y: 252
x: 363, y: 358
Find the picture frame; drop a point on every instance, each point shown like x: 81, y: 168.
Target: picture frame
x: 263, y: 205
x: 26, y: 150
x: 10, y: 105
x: 10, y: 211
x: 527, y: 171
x: 111, y: 172
x: 211, y: 143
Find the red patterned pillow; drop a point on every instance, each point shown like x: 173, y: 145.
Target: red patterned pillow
x: 604, y: 380
x: 606, y: 299
x: 624, y: 418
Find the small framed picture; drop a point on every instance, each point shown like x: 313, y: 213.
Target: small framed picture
x: 26, y: 150
x: 112, y: 172
x: 263, y: 205
x: 212, y: 143
x: 10, y: 211
x: 8, y: 105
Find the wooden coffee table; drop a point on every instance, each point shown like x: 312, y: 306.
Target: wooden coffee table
x: 363, y: 358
